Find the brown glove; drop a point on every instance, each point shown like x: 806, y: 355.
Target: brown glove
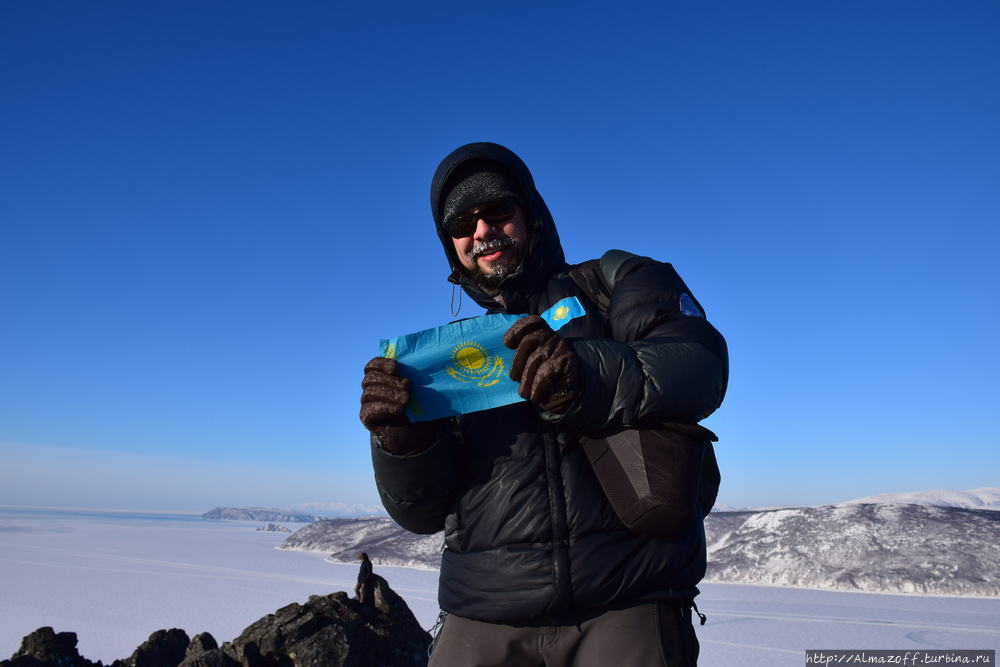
x: 384, y: 396
x: 544, y: 364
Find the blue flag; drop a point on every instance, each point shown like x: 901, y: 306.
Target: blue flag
x: 464, y: 366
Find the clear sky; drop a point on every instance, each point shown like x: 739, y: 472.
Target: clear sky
x: 211, y: 212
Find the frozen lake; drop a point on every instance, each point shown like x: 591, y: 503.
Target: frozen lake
x: 113, y: 578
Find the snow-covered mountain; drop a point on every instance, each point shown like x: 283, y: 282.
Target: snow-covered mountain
x: 987, y: 498
x: 885, y: 548
x: 854, y: 546
x: 382, y: 539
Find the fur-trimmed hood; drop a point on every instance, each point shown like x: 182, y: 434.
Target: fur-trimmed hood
x: 544, y: 255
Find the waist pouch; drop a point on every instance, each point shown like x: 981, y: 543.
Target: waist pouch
x: 656, y: 479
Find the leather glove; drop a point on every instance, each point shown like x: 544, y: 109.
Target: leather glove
x: 384, y: 396
x: 544, y: 364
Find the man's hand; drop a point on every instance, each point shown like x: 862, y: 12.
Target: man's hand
x: 384, y: 396
x: 544, y: 364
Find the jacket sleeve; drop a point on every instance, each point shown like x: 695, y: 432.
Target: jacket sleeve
x: 417, y: 490
x: 664, y: 362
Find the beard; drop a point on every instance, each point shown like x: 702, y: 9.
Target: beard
x: 491, y: 278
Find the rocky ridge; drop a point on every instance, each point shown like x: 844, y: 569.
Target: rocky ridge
x: 325, y: 631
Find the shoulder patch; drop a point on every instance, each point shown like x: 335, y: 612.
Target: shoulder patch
x: 689, y: 307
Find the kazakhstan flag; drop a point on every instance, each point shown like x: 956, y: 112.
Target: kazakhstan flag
x: 463, y: 367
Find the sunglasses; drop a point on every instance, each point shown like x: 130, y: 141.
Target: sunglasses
x: 493, y: 213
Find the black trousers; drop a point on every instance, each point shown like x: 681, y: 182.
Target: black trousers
x: 365, y: 593
x: 657, y: 633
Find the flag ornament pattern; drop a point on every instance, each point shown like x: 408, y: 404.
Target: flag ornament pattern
x: 462, y: 367
x: 471, y: 362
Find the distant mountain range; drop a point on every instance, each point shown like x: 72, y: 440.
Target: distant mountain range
x: 985, y: 499
x: 259, y: 514
x: 338, y: 509
x: 304, y: 513
x: 935, y: 546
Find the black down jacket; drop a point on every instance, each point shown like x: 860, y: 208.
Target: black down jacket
x: 529, y: 535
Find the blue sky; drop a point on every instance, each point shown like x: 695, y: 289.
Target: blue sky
x: 211, y: 212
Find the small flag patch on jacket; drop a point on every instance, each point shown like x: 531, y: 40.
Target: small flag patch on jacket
x: 463, y: 367
x: 689, y: 307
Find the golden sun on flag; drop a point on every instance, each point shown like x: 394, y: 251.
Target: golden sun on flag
x: 471, y: 362
x: 470, y: 356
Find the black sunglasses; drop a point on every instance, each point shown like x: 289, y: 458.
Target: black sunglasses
x: 493, y: 213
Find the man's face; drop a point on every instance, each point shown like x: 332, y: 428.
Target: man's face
x: 494, y: 242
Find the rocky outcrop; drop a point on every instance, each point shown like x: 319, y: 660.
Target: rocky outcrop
x: 325, y: 631
x: 335, y: 630
x: 203, y: 651
x: 44, y: 647
x: 164, y: 648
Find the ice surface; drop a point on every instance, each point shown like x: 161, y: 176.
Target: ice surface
x: 115, y: 579
x: 761, y: 626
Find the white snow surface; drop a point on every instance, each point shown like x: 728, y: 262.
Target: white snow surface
x: 986, y: 498
x: 115, y: 579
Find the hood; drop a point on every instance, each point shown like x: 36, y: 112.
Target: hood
x: 544, y: 256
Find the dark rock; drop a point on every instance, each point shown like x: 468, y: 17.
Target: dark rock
x: 334, y: 631
x: 213, y: 658
x: 164, y: 648
x: 45, y: 648
x: 204, y: 652
x: 201, y: 643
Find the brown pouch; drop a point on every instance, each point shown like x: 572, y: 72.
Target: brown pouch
x: 653, y: 477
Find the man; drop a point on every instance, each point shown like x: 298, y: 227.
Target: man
x: 363, y: 590
x: 537, y: 567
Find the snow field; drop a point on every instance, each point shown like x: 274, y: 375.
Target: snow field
x: 115, y: 580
